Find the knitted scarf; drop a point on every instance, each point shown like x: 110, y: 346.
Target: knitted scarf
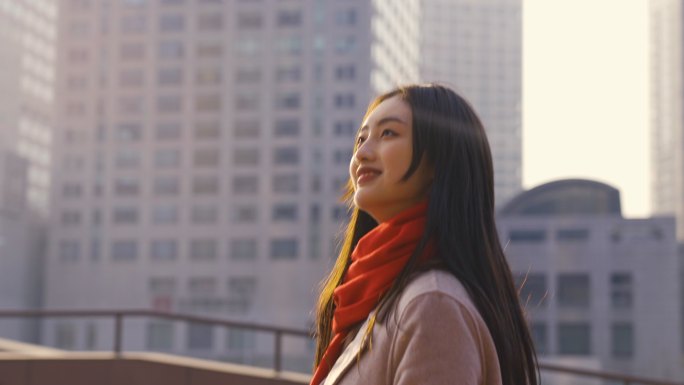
x: 377, y: 259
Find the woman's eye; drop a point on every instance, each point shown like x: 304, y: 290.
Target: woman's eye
x: 360, y: 140
x: 388, y: 132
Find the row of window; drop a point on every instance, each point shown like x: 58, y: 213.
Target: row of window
x: 576, y: 339
x: 571, y: 235
x: 205, y: 130
x: 202, y: 286
x: 124, y: 250
x: 169, y: 186
x: 574, y: 290
x: 204, y: 214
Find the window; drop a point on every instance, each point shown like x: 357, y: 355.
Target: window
x: 342, y: 156
x: 200, y: 336
x: 129, y: 132
x: 132, y: 51
x: 621, y: 287
x: 246, y: 102
x: 202, y: 286
x: 340, y: 213
x: 287, y: 127
x: 574, y: 339
x: 124, y: 250
x: 246, y: 156
x: 135, y: 23
x: 532, y: 289
x: 72, y: 190
x: 132, y: 78
x: 133, y: 105
x: 208, y: 77
x: 315, y: 213
x: 249, y: 20
x: 170, y: 76
x: 344, y: 100
x: 208, y: 103
x: 160, y: 335
x: 210, y: 50
x: 622, y: 337
x: 573, y: 290
x: 171, y: 23
x: 164, y: 250
x: 527, y: 236
x: 540, y: 337
x: 246, y: 129
x: 286, y: 183
x: 245, y: 214
x: 168, y: 131
x: 240, y: 340
x: 170, y: 49
x: 346, y: 128
x: 285, y: 155
x: 69, y: 251
x: 125, y: 215
x: 162, y: 285
x: 288, y: 74
x: 289, y: 18
x: 127, y: 158
x: 65, y: 335
x: 206, y: 157
x: 167, y: 158
x: 165, y: 214
x: 291, y: 45
x: 243, y: 249
x: 205, y: 185
x: 345, y: 72
x: 572, y: 235
x: 284, y: 212
x: 203, y: 249
x: 245, y: 184
x: 241, y: 287
x: 126, y: 187
x: 346, y: 17
x: 248, y: 75
x: 210, y: 22
x: 345, y: 44
x: 284, y: 248
x: 204, y: 214
x: 166, y: 186
x: 169, y: 103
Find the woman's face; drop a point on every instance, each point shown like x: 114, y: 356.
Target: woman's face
x: 383, y: 155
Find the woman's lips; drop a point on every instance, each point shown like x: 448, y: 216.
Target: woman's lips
x: 366, y: 176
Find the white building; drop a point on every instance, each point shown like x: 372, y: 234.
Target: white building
x: 476, y: 47
x: 202, y: 150
x: 597, y: 287
x: 27, y: 36
x: 667, y: 109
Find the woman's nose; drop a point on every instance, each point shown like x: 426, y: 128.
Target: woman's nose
x: 365, y: 151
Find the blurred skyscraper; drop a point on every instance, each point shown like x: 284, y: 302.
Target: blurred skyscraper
x: 667, y: 109
x: 202, y: 149
x: 27, y: 37
x: 476, y: 47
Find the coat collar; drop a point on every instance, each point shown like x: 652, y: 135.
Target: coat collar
x: 348, y: 356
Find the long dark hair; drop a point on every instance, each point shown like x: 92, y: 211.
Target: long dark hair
x: 460, y: 219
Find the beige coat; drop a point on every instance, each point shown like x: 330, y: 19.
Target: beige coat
x: 437, y: 337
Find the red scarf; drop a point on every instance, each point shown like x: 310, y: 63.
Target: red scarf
x: 377, y: 259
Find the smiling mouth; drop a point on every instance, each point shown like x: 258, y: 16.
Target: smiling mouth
x: 366, y: 176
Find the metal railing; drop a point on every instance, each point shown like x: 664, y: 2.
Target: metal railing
x: 279, y: 333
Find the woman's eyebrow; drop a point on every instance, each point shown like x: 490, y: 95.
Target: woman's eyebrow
x: 385, y: 120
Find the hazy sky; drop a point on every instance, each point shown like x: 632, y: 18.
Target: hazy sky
x: 585, y: 92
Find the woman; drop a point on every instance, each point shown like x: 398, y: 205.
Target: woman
x: 421, y: 292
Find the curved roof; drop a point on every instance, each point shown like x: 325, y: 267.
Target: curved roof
x: 566, y: 197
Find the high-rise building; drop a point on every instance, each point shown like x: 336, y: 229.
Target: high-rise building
x: 27, y: 37
x: 476, y: 47
x: 202, y: 149
x: 667, y: 109
x: 598, y: 289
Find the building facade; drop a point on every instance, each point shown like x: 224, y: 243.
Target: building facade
x: 667, y: 109
x: 475, y: 46
x: 597, y: 288
x: 201, y: 153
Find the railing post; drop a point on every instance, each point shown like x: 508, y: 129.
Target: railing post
x: 118, y: 330
x: 278, y: 347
